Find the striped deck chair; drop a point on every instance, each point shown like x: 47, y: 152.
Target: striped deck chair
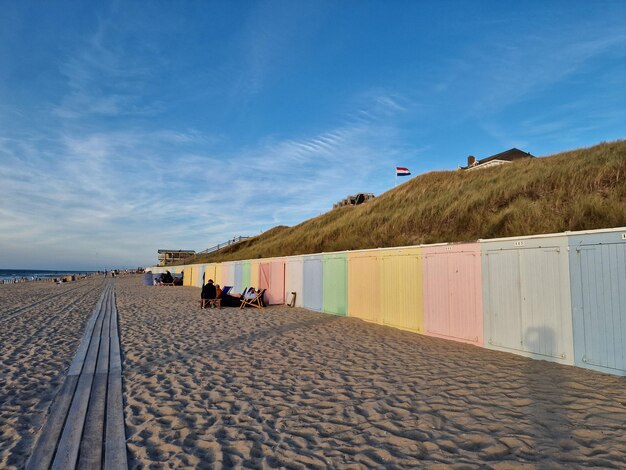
x: 256, y: 301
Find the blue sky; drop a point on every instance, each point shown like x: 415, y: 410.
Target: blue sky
x: 126, y: 127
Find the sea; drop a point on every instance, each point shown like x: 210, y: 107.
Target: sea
x: 11, y: 275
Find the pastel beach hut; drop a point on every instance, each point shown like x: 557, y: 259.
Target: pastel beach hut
x: 294, y: 279
x: 313, y: 287
x: 598, y: 286
x: 218, y: 278
x: 238, y: 276
x: 228, y: 274
x: 452, y: 289
x: 402, y: 301
x: 188, y: 273
x: 335, y: 283
x: 272, y: 278
x: 209, y: 273
x: 364, y: 285
x: 254, y: 273
x: 199, y: 275
x: 526, y: 297
x: 245, y: 274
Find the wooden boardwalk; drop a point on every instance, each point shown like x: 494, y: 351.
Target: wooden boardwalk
x: 85, y: 428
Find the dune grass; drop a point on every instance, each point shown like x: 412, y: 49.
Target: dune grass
x: 577, y: 190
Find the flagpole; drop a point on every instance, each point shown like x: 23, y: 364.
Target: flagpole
x: 395, y: 182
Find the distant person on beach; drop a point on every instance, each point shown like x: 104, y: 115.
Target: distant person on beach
x: 167, y: 278
x: 231, y: 300
x: 209, y: 291
x: 250, y: 294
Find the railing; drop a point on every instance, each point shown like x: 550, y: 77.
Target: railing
x: 219, y: 246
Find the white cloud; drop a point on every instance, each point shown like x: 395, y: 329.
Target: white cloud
x: 510, y: 72
x: 101, y: 191
x: 103, y: 81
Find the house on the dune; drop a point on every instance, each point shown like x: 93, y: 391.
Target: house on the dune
x: 498, y: 159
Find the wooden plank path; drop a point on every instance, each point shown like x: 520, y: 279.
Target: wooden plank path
x: 85, y: 428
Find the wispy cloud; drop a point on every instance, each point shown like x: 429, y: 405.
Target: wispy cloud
x: 157, y: 127
x: 102, y: 80
x: 510, y: 72
x: 380, y: 105
x: 266, y: 46
x: 140, y: 189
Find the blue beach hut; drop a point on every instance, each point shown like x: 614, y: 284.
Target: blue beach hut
x: 598, y: 284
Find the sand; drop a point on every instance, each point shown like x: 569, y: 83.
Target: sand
x: 36, y: 348
x: 290, y: 388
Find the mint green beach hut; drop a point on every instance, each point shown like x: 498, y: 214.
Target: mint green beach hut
x: 245, y: 273
x: 335, y: 282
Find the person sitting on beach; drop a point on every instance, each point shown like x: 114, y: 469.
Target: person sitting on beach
x: 231, y: 299
x: 208, y: 294
x: 250, y: 294
x: 167, y: 278
x: 218, y: 291
x: 209, y: 291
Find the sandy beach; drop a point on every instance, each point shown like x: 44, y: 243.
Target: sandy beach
x: 290, y: 388
x: 36, y: 347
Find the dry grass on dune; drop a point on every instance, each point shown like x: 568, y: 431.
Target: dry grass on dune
x: 576, y: 190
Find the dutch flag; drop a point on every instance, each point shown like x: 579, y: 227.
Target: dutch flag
x: 401, y: 171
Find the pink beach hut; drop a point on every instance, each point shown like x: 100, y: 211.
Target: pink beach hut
x: 452, y: 280
x: 228, y: 274
x: 272, y: 278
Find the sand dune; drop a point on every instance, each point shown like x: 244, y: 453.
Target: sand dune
x: 36, y: 347
x: 292, y: 388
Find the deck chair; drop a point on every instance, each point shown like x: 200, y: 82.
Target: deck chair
x: 256, y: 301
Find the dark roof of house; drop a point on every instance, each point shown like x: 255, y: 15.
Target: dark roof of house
x: 176, y: 251
x: 508, y: 156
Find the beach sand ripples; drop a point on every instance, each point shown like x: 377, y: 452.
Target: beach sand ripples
x: 297, y: 389
x: 36, y: 348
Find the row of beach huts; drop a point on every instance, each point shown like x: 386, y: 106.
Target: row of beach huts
x: 558, y: 297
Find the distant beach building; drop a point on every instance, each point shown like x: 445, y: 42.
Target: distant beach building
x: 169, y: 257
x: 495, y: 160
x: 354, y: 200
